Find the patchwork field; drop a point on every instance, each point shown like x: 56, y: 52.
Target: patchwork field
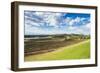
x: 80, y: 50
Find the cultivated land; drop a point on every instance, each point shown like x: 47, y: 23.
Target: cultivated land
x: 37, y: 46
x: 62, y: 50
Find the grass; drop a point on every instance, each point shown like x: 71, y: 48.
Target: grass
x: 76, y: 51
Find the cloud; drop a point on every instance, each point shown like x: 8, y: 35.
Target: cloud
x: 78, y: 30
x: 52, y: 23
x: 75, y: 21
x: 39, y: 13
x: 29, y: 30
x: 51, y: 19
x: 88, y: 25
x: 78, y: 21
x: 78, y: 25
x: 68, y: 21
x: 43, y: 18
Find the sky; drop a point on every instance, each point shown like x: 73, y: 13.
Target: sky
x: 44, y: 22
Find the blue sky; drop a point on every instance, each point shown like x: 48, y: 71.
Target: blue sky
x: 39, y: 22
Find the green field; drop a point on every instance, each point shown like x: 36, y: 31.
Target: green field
x: 77, y: 51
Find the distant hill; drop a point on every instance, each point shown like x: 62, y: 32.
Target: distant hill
x: 59, y: 35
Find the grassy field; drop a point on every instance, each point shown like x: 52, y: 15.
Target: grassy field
x: 77, y: 51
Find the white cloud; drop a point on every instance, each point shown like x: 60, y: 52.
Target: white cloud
x: 88, y: 25
x: 71, y: 22
x: 58, y: 14
x: 55, y: 20
x: 76, y: 20
x: 84, y: 29
x: 67, y: 20
x: 83, y: 19
x: 72, y: 28
x: 51, y: 19
x: 39, y: 13
x: 32, y: 30
x: 48, y: 18
x: 32, y: 23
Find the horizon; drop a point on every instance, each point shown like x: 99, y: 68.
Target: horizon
x: 57, y: 34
